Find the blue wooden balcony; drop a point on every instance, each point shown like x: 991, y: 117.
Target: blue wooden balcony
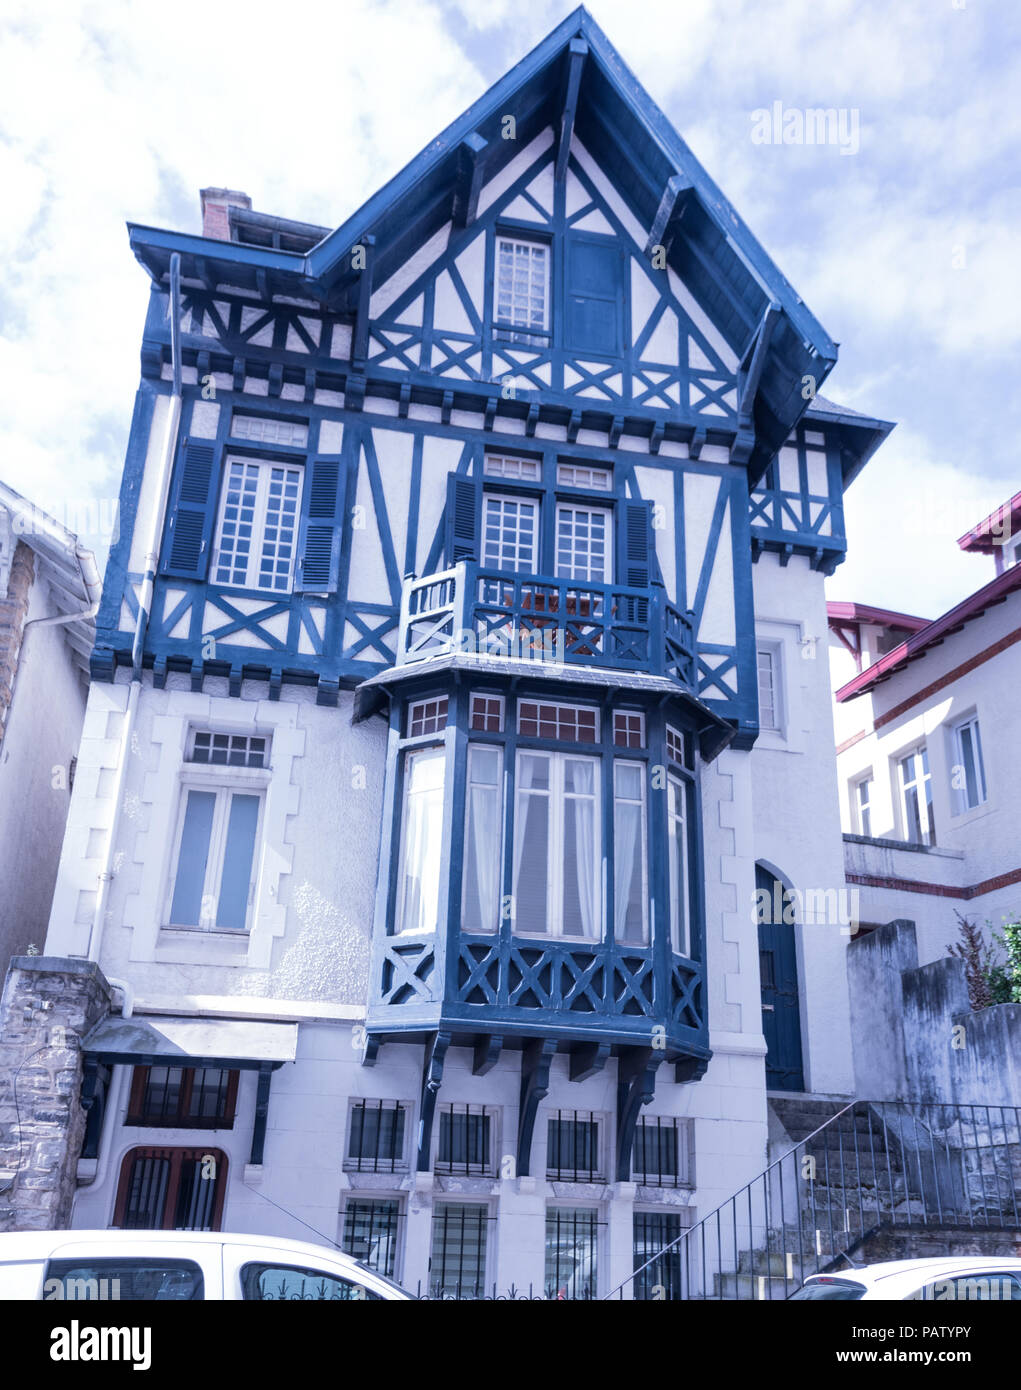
x: 536, y: 618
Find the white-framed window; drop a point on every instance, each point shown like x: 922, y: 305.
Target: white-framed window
x: 570, y: 723
x: 460, y: 1247
x: 968, y: 775
x: 378, y: 1135
x: 521, y: 288
x: 510, y: 533
x: 418, y: 872
x: 630, y: 892
x: 584, y: 543
x: 572, y: 1252
x: 861, y: 804
x: 483, y: 838
x: 676, y: 750
x: 226, y: 750
x: 916, y: 797
x: 263, y: 431
x: 427, y: 716
x: 371, y: 1232
x: 557, y: 846
x: 257, y: 530
x: 677, y: 858
x: 212, y: 879
x: 861, y: 799
x: 486, y: 714
x: 661, y: 1156
x: 628, y: 728
x: 574, y: 1146
x: 768, y: 662
x: 510, y: 466
x: 584, y: 475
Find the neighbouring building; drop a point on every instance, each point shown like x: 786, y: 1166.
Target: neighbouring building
x: 49, y: 595
x: 457, y: 795
x: 925, y: 717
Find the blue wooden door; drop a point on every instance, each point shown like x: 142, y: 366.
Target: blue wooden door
x: 778, y: 971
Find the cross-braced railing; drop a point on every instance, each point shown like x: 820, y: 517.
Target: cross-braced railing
x: 871, y: 1165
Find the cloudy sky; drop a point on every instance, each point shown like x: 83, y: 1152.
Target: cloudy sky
x: 907, y: 250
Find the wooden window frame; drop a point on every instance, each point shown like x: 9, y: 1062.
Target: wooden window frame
x: 181, y: 1120
x: 177, y: 1157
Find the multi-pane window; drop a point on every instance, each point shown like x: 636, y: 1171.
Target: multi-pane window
x: 862, y: 790
x: 418, y: 875
x: 767, y: 660
x: 227, y: 750
x: 465, y: 1141
x: 376, y: 1137
x: 483, y: 838
x: 263, y: 431
x: 584, y: 475
x: 183, y: 1097
x: 628, y: 729
x: 486, y: 714
x: 630, y: 893
x: 557, y: 847
x: 969, y: 775
x: 510, y: 533
x: 171, y: 1190
x: 676, y: 749
x: 427, y: 716
x: 572, y: 1146
x: 212, y: 879
x: 371, y: 1231
x: 569, y: 723
x: 522, y: 287
x: 661, y: 1153
x: 572, y: 1252
x: 258, y: 527
x: 916, y: 797
x: 508, y: 466
x: 657, y: 1261
x: 457, y: 1264
x: 583, y: 543
x: 677, y: 860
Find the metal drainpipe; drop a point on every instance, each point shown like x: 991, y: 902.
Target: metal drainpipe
x: 144, y: 603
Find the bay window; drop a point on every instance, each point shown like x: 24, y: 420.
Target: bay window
x: 483, y: 835
x: 418, y: 874
x: 557, y: 845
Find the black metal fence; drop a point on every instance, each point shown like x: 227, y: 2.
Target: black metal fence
x: 871, y: 1165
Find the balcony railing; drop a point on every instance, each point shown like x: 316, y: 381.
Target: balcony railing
x: 539, y: 619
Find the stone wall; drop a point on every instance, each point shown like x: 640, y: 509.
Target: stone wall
x: 49, y: 1003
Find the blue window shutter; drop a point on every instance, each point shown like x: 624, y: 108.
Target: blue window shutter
x: 595, y: 296
x: 321, y: 529
x: 236, y: 879
x: 464, y: 501
x: 636, y: 545
x: 192, y: 510
x: 186, y: 907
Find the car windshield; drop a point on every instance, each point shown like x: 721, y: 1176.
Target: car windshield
x: 844, y: 1289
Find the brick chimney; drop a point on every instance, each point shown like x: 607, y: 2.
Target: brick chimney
x: 215, y: 202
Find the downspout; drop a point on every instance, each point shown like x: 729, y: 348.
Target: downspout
x: 164, y: 467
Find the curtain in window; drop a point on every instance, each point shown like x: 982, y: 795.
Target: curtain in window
x: 482, y: 862
x: 581, y: 859
x: 421, y: 852
x: 232, y: 909
x: 677, y: 849
x: 628, y: 839
x: 531, y: 842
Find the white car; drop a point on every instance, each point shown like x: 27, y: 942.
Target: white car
x: 154, y: 1265
x: 965, y: 1279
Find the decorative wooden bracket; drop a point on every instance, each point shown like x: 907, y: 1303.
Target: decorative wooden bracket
x: 468, y: 185
x: 755, y: 356
x: 636, y: 1085
x: 577, y: 53
x: 360, y: 337
x: 536, y: 1057
x: 690, y: 1068
x: 587, y: 1059
x: 432, y: 1075
x: 487, y: 1053
x: 671, y: 203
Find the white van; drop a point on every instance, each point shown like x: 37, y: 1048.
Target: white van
x: 133, y: 1266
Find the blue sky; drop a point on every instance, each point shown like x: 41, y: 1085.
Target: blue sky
x: 906, y: 250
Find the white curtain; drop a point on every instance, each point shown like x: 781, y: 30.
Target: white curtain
x: 580, y: 815
x: 627, y: 837
x: 484, y: 836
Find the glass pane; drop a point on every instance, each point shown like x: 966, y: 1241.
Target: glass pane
x: 124, y: 1280
x: 232, y: 910
x: 653, y: 1233
x: 370, y: 1233
x: 196, y: 1193
x: 457, y: 1268
x: 186, y: 907
x: 483, y: 834
x: 421, y: 851
x: 581, y: 860
x: 629, y: 894
x: 296, y: 1284
x: 147, y: 1193
x: 571, y: 1252
x: 531, y: 843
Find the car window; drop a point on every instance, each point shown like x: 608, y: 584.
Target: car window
x: 843, y: 1289
x: 297, y: 1283
x: 995, y: 1286
x: 123, y: 1280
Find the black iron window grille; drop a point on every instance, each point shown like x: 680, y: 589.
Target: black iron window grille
x: 572, y: 1236
x: 457, y: 1264
x: 466, y: 1141
x: 661, y: 1156
x: 183, y: 1097
x: 654, y: 1230
x: 371, y: 1227
x: 572, y: 1147
x: 376, y: 1137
